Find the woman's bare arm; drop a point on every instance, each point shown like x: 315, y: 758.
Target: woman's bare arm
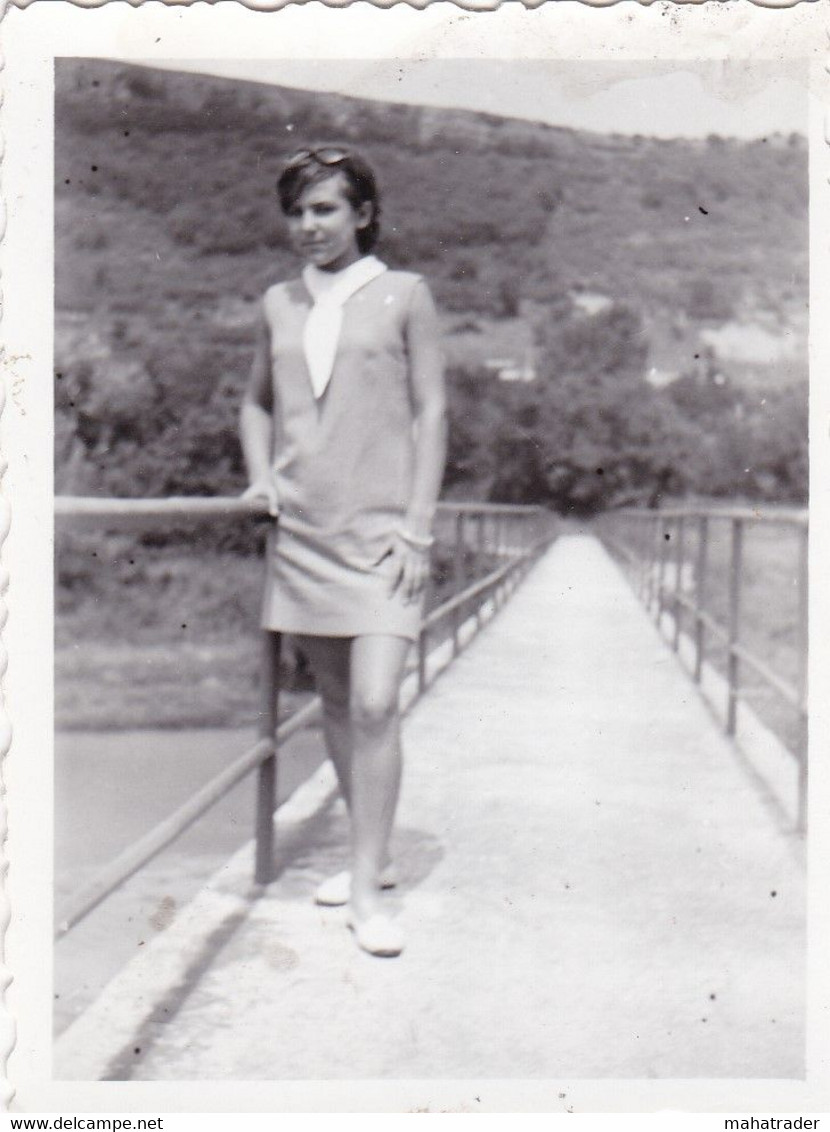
x: 426, y: 368
x: 256, y: 424
x: 426, y: 362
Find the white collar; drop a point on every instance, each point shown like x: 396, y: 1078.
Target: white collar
x: 329, y: 285
x: 321, y: 333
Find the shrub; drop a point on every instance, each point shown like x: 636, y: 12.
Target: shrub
x: 708, y: 300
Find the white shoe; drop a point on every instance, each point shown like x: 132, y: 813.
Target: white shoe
x: 337, y: 890
x: 378, y: 935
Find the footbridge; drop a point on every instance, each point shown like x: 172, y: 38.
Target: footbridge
x: 600, y: 858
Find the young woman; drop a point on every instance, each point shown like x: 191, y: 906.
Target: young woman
x: 344, y: 431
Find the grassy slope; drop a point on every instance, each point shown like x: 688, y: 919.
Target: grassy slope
x: 200, y: 155
x: 166, y: 233
x: 167, y: 230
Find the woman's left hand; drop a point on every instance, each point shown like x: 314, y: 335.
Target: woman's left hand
x: 409, y: 570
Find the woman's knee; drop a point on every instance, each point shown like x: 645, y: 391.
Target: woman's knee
x: 373, y: 709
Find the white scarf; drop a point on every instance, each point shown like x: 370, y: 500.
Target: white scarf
x: 330, y: 291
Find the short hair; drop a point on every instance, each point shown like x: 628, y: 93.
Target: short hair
x: 311, y: 166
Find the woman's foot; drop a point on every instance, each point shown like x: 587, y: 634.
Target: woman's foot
x: 377, y: 934
x: 337, y: 890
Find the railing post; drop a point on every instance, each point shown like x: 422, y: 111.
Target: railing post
x: 649, y: 543
x: 481, y: 533
x: 266, y: 797
x: 653, y: 555
x: 636, y: 549
x: 735, y: 566
x: 664, y: 537
x: 700, y: 592
x: 678, y: 583
x: 459, y: 573
x: 422, y: 660
x: 803, y: 658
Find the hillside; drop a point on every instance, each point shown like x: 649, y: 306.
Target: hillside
x: 167, y: 231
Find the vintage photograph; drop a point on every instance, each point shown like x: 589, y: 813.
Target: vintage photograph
x: 431, y: 557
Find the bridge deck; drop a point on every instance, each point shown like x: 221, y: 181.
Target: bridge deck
x: 592, y: 887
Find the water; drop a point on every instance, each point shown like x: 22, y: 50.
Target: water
x: 110, y: 789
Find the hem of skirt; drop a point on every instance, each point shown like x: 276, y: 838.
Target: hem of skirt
x: 352, y: 631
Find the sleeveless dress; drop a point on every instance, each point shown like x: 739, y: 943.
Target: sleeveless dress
x: 343, y: 465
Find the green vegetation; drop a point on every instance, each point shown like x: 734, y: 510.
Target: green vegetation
x: 167, y: 233
x: 592, y: 260
x: 591, y: 434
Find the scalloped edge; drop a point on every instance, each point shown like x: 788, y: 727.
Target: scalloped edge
x: 8, y: 1024
x: 8, y: 1027
x: 475, y: 6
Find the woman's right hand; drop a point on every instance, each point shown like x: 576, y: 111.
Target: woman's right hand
x: 264, y: 490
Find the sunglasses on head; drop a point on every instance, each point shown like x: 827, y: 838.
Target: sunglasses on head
x: 325, y: 155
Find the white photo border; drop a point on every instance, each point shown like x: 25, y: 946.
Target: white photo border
x: 34, y: 35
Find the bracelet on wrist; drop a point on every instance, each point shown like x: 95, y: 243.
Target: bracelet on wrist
x: 415, y: 541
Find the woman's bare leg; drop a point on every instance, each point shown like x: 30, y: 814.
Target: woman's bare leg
x: 377, y: 665
x: 330, y: 662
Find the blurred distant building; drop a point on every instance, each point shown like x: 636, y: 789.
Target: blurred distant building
x: 509, y: 369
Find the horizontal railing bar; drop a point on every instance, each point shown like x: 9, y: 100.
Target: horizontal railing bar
x: 797, y: 517
x: 622, y: 549
x: 641, y: 528
x: 187, y: 507
x: 141, y: 852
x: 687, y: 602
x: 708, y: 620
x: 155, y: 840
x: 455, y: 602
x: 452, y: 507
x: 198, y: 508
x: 783, y: 687
x: 160, y: 836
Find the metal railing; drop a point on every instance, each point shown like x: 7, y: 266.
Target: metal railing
x: 668, y: 554
x: 512, y: 536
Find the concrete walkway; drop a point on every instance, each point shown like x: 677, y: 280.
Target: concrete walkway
x: 592, y: 888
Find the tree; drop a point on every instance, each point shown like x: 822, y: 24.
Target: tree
x: 610, y: 343
x: 581, y: 447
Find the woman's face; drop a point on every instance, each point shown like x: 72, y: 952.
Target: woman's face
x: 323, y: 224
